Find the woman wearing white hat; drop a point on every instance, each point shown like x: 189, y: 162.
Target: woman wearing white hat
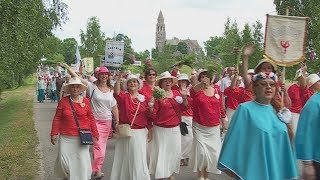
x: 166, y: 139
x: 73, y: 161
x: 130, y: 158
x: 208, y: 114
x: 186, y: 117
x: 103, y: 105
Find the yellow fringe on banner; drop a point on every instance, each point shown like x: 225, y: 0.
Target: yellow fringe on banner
x: 285, y: 64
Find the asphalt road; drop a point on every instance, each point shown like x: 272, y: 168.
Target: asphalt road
x: 43, y: 115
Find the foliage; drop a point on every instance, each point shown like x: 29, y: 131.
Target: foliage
x: 182, y: 47
x: 311, y: 9
x: 92, y: 41
x: 25, y: 28
x: 68, y: 50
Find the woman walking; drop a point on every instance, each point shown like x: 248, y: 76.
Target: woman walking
x: 259, y: 134
x: 73, y: 161
x: 130, y: 158
x: 166, y: 137
x: 103, y: 106
x: 208, y: 115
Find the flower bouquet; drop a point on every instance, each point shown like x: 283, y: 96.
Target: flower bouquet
x: 158, y: 93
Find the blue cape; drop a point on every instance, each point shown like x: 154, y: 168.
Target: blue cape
x: 307, y: 141
x: 257, y: 145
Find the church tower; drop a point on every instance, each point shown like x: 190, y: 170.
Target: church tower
x: 160, y: 33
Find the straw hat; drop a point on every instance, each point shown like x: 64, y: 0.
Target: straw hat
x: 183, y: 77
x: 129, y: 77
x: 167, y: 75
x: 260, y: 64
x: 312, y: 79
x: 72, y: 81
x: 199, y: 72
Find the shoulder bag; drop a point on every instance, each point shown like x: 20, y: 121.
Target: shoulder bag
x: 124, y: 130
x: 85, y: 134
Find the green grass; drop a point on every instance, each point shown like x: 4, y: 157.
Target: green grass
x: 18, y: 137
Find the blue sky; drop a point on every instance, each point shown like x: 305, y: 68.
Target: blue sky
x: 194, y: 19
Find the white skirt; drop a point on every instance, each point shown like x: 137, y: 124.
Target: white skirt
x: 165, y: 151
x: 130, y: 157
x: 186, y: 141
x: 230, y: 113
x: 295, y: 119
x: 206, y: 148
x: 73, y: 161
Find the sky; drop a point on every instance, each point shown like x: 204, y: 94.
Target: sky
x: 193, y: 19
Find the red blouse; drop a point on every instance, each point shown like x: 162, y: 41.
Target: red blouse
x: 64, y: 122
x: 127, y: 109
x: 295, y: 96
x: 146, y: 90
x: 207, y: 111
x: 235, y: 96
x: 167, y: 111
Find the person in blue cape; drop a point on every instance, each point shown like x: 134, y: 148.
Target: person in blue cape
x: 307, y: 140
x: 257, y: 144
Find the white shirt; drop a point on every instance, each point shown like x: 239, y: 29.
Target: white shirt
x: 101, y: 103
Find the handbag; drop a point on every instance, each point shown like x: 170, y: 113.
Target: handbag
x: 124, y: 130
x: 183, y: 126
x: 85, y: 134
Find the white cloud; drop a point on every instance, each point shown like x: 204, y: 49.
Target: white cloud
x: 194, y: 19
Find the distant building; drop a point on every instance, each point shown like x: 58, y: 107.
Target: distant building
x: 161, y: 41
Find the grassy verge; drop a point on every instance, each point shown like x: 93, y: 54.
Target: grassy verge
x: 18, y: 137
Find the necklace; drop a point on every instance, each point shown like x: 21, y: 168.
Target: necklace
x: 75, y: 100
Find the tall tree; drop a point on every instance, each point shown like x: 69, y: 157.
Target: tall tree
x: 92, y: 40
x: 24, y: 29
x: 68, y: 50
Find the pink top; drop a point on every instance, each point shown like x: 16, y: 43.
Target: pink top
x: 167, y: 111
x: 127, y: 109
x: 295, y: 96
x: 64, y: 122
x: 207, y: 111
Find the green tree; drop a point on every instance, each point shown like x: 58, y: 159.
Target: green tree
x: 311, y: 9
x: 182, y: 47
x: 68, y: 50
x: 25, y: 27
x: 213, y: 46
x: 92, y: 40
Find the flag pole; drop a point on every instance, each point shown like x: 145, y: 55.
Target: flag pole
x: 284, y: 68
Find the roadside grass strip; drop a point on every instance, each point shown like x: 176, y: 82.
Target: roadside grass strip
x: 18, y: 137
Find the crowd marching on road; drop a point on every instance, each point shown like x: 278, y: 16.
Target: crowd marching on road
x: 248, y: 127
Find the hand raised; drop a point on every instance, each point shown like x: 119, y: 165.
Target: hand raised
x: 249, y: 49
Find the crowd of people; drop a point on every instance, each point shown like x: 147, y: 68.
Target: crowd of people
x: 246, y: 124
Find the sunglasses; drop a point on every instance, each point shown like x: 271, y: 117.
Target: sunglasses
x: 152, y: 75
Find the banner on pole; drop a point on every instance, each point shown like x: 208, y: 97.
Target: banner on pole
x: 285, y: 39
x: 88, y: 65
x: 78, y: 61
x: 114, y: 52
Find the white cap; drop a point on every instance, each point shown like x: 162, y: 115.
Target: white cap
x: 312, y: 79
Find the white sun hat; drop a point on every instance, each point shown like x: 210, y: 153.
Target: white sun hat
x: 167, y: 75
x: 74, y: 80
x: 312, y: 79
x: 183, y: 77
x: 129, y: 77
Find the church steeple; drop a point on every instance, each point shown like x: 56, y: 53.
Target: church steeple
x: 160, y: 32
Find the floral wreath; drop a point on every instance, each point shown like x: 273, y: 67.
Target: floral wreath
x: 265, y: 75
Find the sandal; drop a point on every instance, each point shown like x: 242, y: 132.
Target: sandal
x: 96, y: 177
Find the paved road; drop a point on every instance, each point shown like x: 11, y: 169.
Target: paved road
x: 43, y: 115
